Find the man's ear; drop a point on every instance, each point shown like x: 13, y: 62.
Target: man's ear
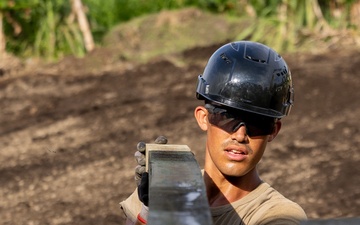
x: 200, y: 114
x: 277, y: 128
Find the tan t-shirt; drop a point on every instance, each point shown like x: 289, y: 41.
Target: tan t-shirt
x: 264, y: 205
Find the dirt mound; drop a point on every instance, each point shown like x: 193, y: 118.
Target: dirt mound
x: 171, y: 32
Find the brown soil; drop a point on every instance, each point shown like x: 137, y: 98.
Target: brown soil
x: 68, y: 135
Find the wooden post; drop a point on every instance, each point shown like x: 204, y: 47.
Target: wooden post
x: 83, y: 24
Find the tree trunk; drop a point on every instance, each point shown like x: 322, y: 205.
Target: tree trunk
x: 83, y: 24
x: 2, y: 37
x: 355, y: 14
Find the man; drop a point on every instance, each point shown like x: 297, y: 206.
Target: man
x: 247, y: 88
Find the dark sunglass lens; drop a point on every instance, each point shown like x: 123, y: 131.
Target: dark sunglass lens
x: 259, y: 130
x: 259, y: 125
x: 231, y: 120
x: 223, y: 122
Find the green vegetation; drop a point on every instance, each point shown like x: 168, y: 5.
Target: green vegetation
x: 41, y: 28
x: 47, y: 28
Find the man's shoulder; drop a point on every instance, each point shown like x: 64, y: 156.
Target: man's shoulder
x: 265, y: 205
x: 283, y: 212
x: 273, y: 206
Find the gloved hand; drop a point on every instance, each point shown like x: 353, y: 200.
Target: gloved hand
x: 142, y: 177
x: 141, y: 158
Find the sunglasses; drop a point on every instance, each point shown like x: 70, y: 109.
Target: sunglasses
x: 230, y: 120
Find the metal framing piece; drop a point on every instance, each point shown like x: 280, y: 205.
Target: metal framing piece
x: 177, y: 194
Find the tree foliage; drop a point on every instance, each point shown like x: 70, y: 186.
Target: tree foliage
x: 48, y: 28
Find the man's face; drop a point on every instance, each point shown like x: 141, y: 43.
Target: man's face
x: 232, y: 153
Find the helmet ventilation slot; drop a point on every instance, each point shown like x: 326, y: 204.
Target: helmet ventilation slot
x: 255, y: 60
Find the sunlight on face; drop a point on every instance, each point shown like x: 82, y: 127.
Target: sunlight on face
x: 233, y: 154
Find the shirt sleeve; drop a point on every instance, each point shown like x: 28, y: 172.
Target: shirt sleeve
x: 131, y: 206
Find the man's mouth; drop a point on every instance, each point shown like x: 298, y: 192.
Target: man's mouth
x: 234, y: 151
x: 236, y: 154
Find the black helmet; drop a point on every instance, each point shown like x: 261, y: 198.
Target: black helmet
x: 248, y: 76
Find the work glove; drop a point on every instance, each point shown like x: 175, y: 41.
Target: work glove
x: 142, y: 177
x: 141, y: 157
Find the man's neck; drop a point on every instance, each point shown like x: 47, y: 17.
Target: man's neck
x: 222, y: 190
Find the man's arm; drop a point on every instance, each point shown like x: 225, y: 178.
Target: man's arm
x: 129, y: 222
x: 135, y: 205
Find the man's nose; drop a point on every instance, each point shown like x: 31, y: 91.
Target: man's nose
x: 240, y: 133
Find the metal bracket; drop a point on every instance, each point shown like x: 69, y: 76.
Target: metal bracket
x: 177, y: 194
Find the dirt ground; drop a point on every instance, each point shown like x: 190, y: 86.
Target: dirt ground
x: 68, y: 134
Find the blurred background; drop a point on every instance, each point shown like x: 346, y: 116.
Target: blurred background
x: 54, y: 29
x: 82, y: 81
